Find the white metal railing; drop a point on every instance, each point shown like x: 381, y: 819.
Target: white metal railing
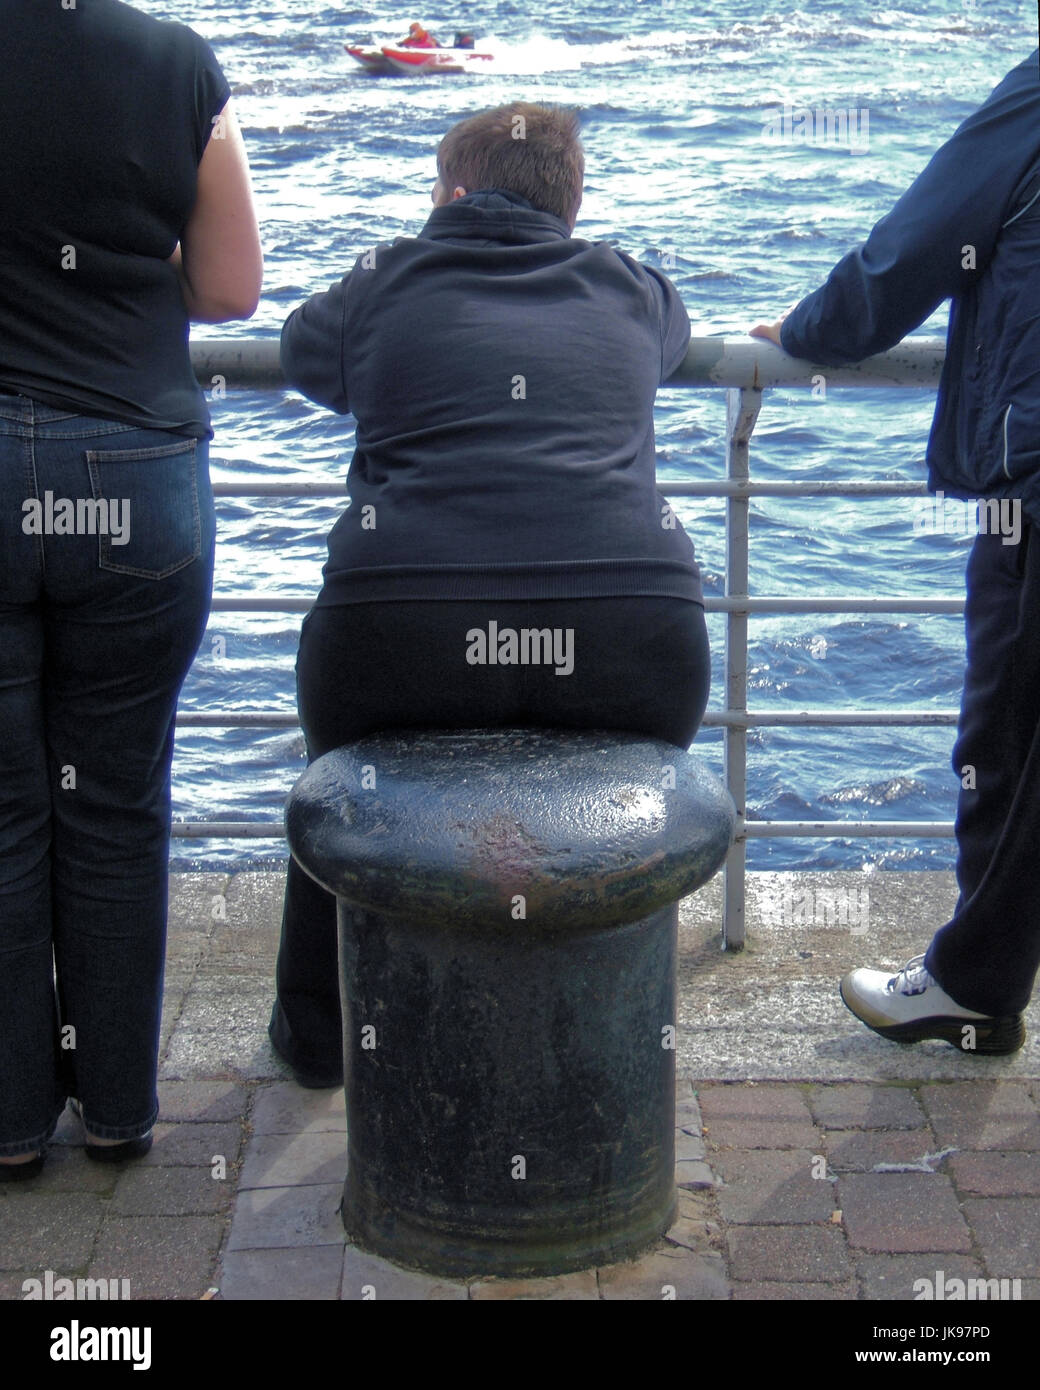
x: 745, y: 370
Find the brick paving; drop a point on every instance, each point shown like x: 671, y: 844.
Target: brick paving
x: 790, y: 1190
x: 864, y: 1211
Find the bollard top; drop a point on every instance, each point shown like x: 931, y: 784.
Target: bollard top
x: 497, y: 829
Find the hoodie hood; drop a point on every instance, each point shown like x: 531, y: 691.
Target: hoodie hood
x: 494, y: 215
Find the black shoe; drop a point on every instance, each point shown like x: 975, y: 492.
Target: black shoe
x: 319, y: 1078
x: 114, y: 1153
x: 22, y: 1172
x: 120, y: 1153
x: 316, y: 1080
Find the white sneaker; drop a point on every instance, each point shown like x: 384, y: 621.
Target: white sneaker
x: 910, y: 1006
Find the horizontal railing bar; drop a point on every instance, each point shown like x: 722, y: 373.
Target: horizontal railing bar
x: 287, y: 487
x: 271, y: 603
x: 721, y: 487
x: 239, y: 719
x: 763, y: 719
x: 247, y: 603
x: 839, y: 718
x: 726, y: 487
x: 831, y: 829
x: 769, y: 829
x: 227, y: 830
x: 826, y: 604
x: 755, y: 363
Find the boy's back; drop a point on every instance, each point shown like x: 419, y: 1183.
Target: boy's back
x: 503, y: 376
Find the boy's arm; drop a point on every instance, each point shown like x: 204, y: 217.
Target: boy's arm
x: 675, y: 321
x: 312, y: 348
x: 936, y: 240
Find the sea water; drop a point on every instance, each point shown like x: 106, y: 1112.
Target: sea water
x: 687, y: 169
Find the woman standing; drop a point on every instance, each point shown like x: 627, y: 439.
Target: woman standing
x: 125, y: 210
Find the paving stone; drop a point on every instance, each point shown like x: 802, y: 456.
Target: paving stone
x: 285, y: 1108
x: 809, y: 1293
x: 68, y: 1169
x: 789, y: 1254
x: 689, y: 1147
x: 225, y: 1007
x: 756, y: 1117
x: 996, y: 1174
x: 198, y: 1100
x: 902, y: 1212
x: 688, y: 1116
x: 191, y: 905
x: 254, y: 902
x: 163, y: 1257
x: 852, y: 1151
x: 11, y: 1289
x: 48, y: 1230
x: 697, y: 1206
x: 690, y: 1173
x: 171, y: 1192
x: 798, y: 1254
x: 690, y: 1234
x: 560, y: 1288
x: 246, y: 950
x: 892, y: 1277
x: 369, y: 1277
x: 240, y: 1053
x: 1007, y: 1232
x: 269, y: 1218
x: 772, y: 1187
x: 983, y: 1114
x: 193, y: 1145
x: 286, y: 1160
x: 865, y: 1107
x: 308, y: 1274
x: 664, y: 1275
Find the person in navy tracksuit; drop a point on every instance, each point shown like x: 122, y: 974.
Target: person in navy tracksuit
x: 968, y: 230
x: 501, y: 373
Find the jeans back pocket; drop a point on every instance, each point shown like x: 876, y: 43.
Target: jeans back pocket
x: 152, y: 498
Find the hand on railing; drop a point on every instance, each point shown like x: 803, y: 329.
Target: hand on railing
x: 771, y: 330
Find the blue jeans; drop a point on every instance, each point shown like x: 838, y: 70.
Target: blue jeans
x: 106, y: 567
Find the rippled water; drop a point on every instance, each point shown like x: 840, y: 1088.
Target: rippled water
x: 678, y: 172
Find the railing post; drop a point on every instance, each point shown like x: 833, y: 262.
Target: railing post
x: 742, y: 407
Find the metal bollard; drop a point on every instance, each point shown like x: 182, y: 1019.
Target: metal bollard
x: 508, y: 902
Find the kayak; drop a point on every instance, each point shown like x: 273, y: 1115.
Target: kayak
x: 392, y: 59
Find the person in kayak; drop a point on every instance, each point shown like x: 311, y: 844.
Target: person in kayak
x: 418, y: 37
x: 502, y: 374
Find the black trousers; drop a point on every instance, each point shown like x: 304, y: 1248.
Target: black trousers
x: 986, y: 957
x: 640, y: 665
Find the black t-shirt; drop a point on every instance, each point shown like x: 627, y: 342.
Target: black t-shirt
x: 104, y: 115
x: 502, y: 375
